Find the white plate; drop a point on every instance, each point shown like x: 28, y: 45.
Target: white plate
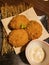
x: 31, y: 15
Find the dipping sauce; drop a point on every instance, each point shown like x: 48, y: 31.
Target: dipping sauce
x: 35, y: 53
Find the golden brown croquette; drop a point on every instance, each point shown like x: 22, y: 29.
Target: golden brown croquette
x: 18, y: 37
x: 19, y: 21
x: 34, y: 30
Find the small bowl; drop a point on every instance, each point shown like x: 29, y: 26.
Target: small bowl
x: 45, y: 47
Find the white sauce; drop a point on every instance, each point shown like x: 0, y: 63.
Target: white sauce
x: 34, y: 52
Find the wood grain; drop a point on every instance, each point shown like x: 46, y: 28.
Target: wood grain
x: 41, y: 7
x: 15, y: 7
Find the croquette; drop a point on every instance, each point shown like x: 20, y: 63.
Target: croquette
x: 34, y: 30
x: 18, y: 37
x: 19, y: 21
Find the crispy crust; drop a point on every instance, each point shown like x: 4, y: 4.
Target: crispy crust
x: 18, y: 37
x: 17, y: 21
x: 34, y: 30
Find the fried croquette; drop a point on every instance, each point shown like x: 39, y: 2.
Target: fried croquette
x: 18, y: 37
x: 18, y: 22
x: 34, y: 30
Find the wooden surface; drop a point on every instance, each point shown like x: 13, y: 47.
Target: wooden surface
x: 41, y: 7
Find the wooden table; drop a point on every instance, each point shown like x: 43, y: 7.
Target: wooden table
x: 41, y: 7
